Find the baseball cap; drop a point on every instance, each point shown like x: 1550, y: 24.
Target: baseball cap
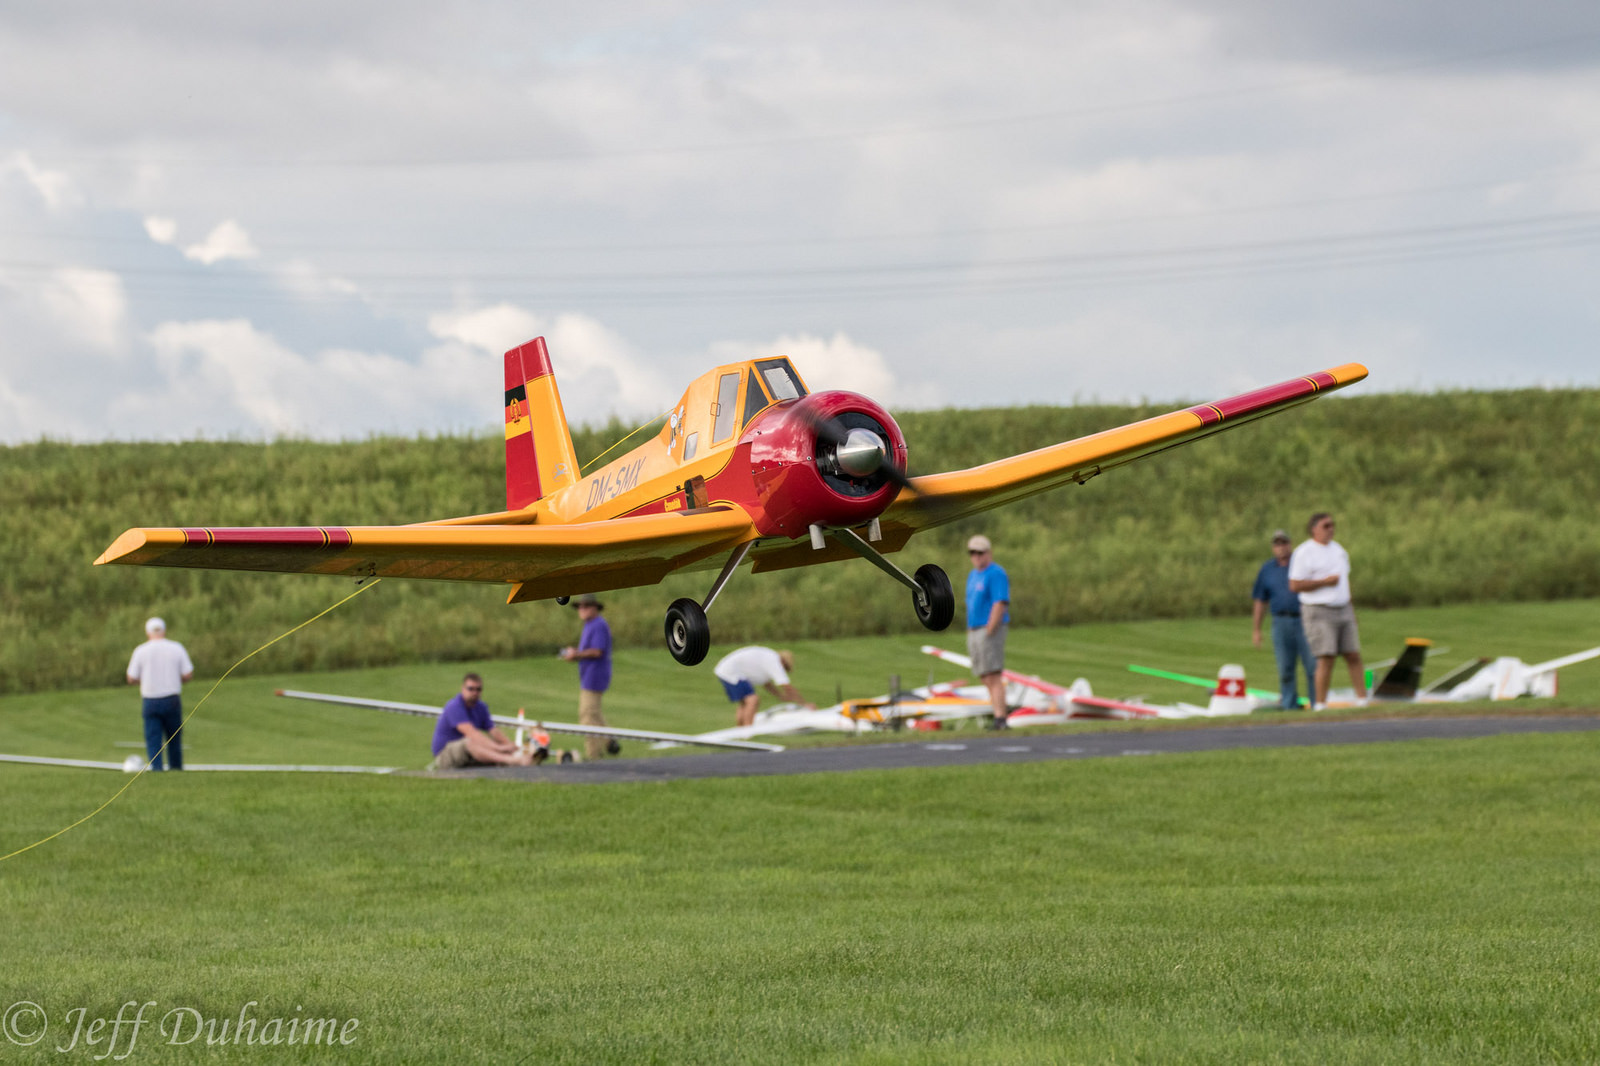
x: 1279, y: 534
x: 588, y: 599
x: 155, y: 625
x: 979, y: 543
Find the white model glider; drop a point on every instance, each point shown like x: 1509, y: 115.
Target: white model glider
x: 426, y: 711
x: 133, y: 764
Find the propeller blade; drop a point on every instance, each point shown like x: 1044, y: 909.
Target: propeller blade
x: 830, y: 430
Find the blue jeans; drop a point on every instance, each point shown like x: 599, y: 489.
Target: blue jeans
x: 1291, y: 648
x: 162, y: 718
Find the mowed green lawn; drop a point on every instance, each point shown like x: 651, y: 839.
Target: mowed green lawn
x: 1421, y: 902
x: 1424, y: 902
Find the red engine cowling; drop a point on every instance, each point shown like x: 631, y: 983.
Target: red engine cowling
x: 795, y: 477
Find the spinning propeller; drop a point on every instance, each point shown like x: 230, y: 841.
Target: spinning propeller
x: 858, y: 452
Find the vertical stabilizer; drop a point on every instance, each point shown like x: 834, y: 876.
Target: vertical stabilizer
x: 1405, y: 676
x: 539, y: 455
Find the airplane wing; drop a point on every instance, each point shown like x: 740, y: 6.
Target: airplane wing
x: 942, y: 498
x: 423, y: 710
x: 542, y: 561
x: 1565, y: 660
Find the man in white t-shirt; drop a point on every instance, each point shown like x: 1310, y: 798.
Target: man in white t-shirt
x: 160, y: 667
x: 1319, y: 570
x: 743, y: 671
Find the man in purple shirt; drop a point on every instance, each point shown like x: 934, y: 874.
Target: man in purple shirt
x: 467, y: 736
x: 593, y: 656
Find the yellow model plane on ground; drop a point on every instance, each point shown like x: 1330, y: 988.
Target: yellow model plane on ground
x: 750, y: 466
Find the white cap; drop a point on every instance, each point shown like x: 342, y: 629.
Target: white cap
x: 155, y: 625
x: 979, y: 543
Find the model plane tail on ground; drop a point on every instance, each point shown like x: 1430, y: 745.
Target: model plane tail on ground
x: 1405, y: 676
x: 539, y: 455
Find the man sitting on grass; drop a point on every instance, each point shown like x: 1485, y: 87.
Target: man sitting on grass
x: 467, y: 736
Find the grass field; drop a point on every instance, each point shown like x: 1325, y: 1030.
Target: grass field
x: 1424, y: 902
x: 1416, y: 903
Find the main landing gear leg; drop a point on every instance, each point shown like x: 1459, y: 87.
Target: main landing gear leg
x: 931, y: 596
x: 688, y: 633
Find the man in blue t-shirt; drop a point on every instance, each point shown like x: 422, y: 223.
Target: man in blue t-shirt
x: 1289, y: 645
x: 988, y: 614
x: 593, y: 656
x: 467, y: 736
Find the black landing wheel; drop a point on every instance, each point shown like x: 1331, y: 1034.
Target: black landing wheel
x: 689, y: 634
x: 936, y: 607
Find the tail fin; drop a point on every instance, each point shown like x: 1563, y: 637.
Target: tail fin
x: 539, y: 455
x: 1405, y: 676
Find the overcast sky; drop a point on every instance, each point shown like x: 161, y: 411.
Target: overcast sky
x: 329, y: 219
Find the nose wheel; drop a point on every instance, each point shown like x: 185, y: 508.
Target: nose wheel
x: 688, y: 633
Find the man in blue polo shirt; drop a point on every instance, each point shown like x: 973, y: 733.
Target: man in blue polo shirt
x: 988, y: 615
x: 593, y: 656
x: 467, y: 736
x: 1289, y: 644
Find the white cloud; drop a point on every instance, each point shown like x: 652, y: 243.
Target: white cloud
x: 221, y: 376
x: 161, y: 230
x: 303, y: 278
x: 598, y: 372
x: 88, y: 305
x: 836, y: 363
x: 494, y: 329
x: 228, y: 240
x: 55, y: 187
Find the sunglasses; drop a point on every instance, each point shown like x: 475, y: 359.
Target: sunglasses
x: 472, y: 688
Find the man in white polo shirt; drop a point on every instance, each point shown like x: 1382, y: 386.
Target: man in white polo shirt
x: 160, y: 667
x: 1319, y: 570
x: 743, y: 671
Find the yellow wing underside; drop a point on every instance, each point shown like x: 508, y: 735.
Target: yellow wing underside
x: 542, y: 561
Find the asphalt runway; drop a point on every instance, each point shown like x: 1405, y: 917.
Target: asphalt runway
x: 1018, y: 747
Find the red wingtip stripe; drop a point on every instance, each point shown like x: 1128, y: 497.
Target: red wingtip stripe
x: 1271, y: 396
x: 317, y: 536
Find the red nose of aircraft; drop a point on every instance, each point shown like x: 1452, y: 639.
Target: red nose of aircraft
x: 821, y: 460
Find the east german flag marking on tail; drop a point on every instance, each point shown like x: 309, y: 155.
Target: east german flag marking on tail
x: 517, y: 420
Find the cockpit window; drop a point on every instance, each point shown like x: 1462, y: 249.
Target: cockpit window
x: 725, y: 411
x: 754, y: 400
x: 781, y: 379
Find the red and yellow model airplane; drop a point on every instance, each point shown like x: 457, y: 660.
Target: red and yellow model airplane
x: 749, y: 466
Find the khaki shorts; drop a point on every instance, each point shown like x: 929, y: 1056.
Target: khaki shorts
x: 454, y: 756
x: 1330, y: 630
x: 988, y: 653
x: 589, y: 714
